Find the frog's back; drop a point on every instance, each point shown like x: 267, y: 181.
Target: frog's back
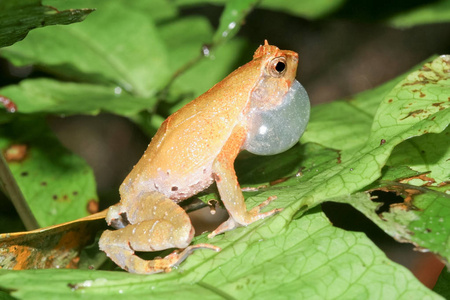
x: 179, y: 158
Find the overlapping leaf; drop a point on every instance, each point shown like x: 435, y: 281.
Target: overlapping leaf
x: 17, y: 18
x: 349, y: 143
x: 310, y: 259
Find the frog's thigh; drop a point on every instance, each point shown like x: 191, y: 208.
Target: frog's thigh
x: 158, y: 224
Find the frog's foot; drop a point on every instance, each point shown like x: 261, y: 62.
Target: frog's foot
x: 228, y: 225
x: 122, y: 251
x: 250, y: 217
x: 115, y: 218
x: 255, y: 213
x: 177, y: 257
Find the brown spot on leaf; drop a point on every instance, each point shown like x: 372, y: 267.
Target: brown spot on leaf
x: 413, y: 113
x: 92, y: 206
x: 15, y: 152
x: 74, y: 193
x: 54, y: 197
x: 390, y: 100
x: 382, y: 142
x: 429, y: 181
x: 423, y: 81
x: 419, y: 91
x: 400, y: 189
x: 278, y: 181
x: 44, y: 183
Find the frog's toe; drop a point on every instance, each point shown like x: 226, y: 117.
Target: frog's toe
x: 228, y: 225
x: 124, y: 256
x: 255, y: 212
x: 267, y: 202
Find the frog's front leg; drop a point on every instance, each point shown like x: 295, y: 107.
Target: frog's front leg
x: 230, y: 191
x: 155, y: 223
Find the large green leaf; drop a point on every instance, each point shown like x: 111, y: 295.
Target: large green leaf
x: 118, y: 45
x: 207, y: 72
x: 417, y: 106
x: 308, y: 259
x: 58, y: 185
x: 122, y: 74
x: 67, y: 98
x: 17, y: 18
x: 427, y: 153
x: 429, y: 13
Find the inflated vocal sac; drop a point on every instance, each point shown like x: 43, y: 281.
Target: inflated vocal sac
x: 276, y: 129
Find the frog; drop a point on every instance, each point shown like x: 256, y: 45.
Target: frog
x: 260, y: 107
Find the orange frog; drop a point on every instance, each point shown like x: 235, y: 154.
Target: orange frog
x: 260, y: 107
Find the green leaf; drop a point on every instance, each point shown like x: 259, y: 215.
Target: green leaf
x: 423, y: 220
x: 57, y: 184
x: 157, y: 10
x: 329, y: 126
x: 442, y: 285
x: 66, y: 98
x: 330, y: 123
x: 117, y: 45
x: 204, y: 74
x: 17, y: 18
x: 427, y: 153
x: 308, y: 9
x: 185, y: 45
x: 232, y: 18
x: 430, y: 13
x: 409, y: 109
x: 324, y: 261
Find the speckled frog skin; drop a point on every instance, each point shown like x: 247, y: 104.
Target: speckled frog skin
x: 193, y: 148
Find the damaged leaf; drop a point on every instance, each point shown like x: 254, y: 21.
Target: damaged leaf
x: 52, y: 247
x: 311, y: 257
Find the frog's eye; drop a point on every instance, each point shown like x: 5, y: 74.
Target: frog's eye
x: 277, y: 67
x: 272, y: 131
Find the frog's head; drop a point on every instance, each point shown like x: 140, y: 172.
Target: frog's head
x: 278, y: 67
x: 279, y: 105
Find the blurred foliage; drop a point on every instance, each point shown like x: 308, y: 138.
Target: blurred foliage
x: 145, y: 59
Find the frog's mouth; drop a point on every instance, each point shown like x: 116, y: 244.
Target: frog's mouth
x: 275, y: 130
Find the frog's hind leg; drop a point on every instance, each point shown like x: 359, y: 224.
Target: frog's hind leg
x: 156, y: 224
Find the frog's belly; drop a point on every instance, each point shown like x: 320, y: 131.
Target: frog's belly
x: 179, y: 187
